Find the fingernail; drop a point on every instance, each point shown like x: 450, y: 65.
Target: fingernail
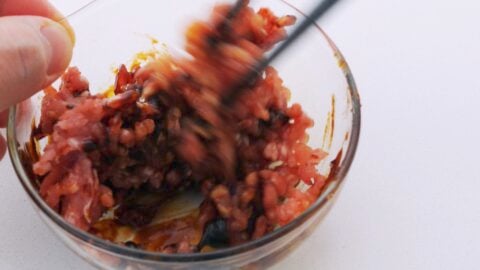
x: 61, y: 19
x: 64, y: 22
x: 69, y: 29
x: 61, y: 46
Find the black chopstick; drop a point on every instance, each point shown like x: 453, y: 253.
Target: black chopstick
x: 321, y: 8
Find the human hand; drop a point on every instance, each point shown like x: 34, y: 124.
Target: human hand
x: 34, y: 51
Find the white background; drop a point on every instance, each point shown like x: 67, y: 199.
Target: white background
x: 412, y: 200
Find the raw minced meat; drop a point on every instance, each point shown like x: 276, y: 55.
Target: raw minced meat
x: 165, y: 130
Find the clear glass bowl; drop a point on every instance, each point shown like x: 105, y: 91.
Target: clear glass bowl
x: 110, y: 32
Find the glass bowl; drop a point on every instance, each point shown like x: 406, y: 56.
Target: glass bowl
x: 110, y: 32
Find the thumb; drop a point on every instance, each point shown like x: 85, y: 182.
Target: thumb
x: 34, y: 51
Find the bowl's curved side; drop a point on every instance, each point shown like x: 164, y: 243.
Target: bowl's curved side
x: 274, y: 243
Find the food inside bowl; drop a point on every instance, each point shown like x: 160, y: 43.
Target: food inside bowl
x: 116, y: 164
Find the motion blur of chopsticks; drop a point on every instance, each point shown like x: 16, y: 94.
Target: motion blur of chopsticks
x: 320, y: 9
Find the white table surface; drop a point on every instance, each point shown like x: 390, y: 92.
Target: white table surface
x: 411, y: 201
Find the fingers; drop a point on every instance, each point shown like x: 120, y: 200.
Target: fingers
x: 3, y: 147
x: 35, y: 53
x: 3, y: 118
x: 40, y: 8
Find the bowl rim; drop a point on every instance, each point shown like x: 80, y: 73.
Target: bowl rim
x: 110, y: 247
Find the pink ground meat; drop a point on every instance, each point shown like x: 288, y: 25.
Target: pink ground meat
x: 165, y: 130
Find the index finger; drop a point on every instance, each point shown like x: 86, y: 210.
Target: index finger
x: 40, y: 8
x: 27, y: 7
